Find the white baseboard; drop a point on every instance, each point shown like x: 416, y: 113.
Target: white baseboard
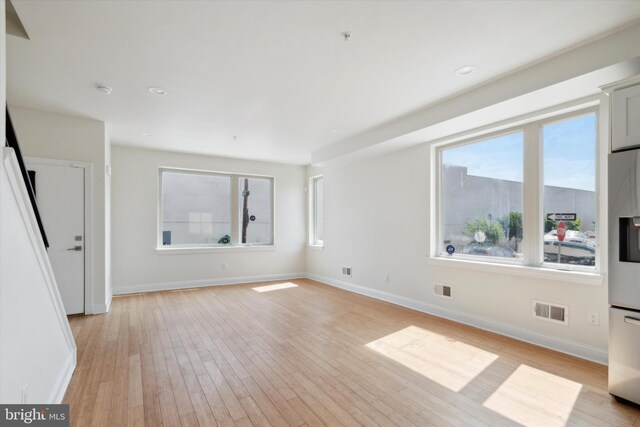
x: 583, y: 351
x: 165, y: 286
x: 102, y: 308
x: 64, y: 379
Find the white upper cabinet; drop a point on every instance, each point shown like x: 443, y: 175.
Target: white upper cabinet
x: 625, y: 118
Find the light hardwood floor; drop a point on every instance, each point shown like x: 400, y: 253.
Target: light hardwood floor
x: 301, y: 353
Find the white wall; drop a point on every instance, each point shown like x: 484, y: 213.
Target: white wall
x: 37, y: 349
x: 57, y: 136
x: 137, y: 265
x: 383, y: 228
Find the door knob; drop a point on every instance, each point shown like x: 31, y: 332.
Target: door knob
x: 75, y: 248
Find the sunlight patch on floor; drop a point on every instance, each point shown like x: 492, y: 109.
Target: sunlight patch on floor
x: 534, y: 398
x: 448, y: 362
x: 276, y: 287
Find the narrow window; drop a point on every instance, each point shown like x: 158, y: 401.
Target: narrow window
x: 255, y: 209
x: 569, y: 163
x: 317, y: 225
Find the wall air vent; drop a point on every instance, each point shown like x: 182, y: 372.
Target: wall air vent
x: 346, y: 271
x: 552, y: 312
x: 441, y: 290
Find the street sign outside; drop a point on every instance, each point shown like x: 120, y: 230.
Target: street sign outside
x: 562, y: 230
x: 562, y: 217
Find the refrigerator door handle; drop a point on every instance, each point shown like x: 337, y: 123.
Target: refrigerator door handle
x: 631, y: 320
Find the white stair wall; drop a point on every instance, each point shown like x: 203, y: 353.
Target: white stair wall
x: 37, y: 348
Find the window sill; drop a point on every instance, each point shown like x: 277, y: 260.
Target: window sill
x: 316, y: 247
x: 578, y: 277
x: 217, y: 249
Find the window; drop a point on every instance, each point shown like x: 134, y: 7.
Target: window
x: 548, y: 166
x: 569, y: 162
x: 481, y: 197
x: 316, y: 226
x: 255, y: 211
x: 198, y: 209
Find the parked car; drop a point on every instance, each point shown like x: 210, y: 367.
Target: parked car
x: 497, y: 251
x: 573, y: 236
x: 577, y: 248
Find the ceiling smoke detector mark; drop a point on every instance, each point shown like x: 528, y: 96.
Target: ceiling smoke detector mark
x: 156, y: 90
x: 104, y: 89
x: 466, y: 70
x: 346, y: 35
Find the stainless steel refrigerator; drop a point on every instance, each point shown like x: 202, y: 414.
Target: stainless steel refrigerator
x: 624, y: 275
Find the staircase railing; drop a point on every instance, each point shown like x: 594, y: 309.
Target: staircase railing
x: 12, y: 141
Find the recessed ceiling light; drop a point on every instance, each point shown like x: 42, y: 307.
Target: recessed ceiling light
x: 147, y: 134
x: 466, y: 70
x: 104, y: 89
x: 157, y: 90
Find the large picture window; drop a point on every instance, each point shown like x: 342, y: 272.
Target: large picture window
x: 197, y: 209
x: 485, y: 184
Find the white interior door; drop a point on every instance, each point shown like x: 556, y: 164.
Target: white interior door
x: 60, y: 196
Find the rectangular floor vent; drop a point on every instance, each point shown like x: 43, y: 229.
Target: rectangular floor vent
x: 552, y: 312
x: 346, y: 271
x: 441, y: 290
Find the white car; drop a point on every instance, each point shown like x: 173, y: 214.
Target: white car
x: 576, y: 247
x: 569, y: 236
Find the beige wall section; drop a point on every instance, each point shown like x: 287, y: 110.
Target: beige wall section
x: 376, y: 217
x: 137, y: 265
x: 57, y: 136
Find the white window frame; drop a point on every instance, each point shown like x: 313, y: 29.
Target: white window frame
x: 236, y: 226
x: 532, y: 263
x: 313, y: 210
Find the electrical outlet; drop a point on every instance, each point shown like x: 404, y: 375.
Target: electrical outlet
x: 594, y: 318
x: 25, y: 389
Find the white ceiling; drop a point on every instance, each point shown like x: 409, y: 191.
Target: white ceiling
x: 277, y: 74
